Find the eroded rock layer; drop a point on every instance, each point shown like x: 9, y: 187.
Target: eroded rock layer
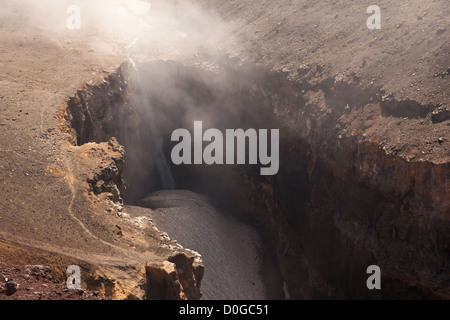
x: 343, y: 199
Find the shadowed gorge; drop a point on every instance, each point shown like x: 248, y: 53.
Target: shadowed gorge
x: 325, y: 213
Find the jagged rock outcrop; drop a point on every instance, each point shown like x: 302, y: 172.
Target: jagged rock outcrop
x: 106, y: 177
x: 92, y: 120
x: 176, y: 279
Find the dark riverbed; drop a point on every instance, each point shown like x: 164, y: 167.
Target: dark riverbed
x: 238, y: 264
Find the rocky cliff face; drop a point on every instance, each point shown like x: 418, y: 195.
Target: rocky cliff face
x: 344, y: 198
x: 366, y: 145
x: 349, y: 192
x: 178, y: 278
x: 157, y: 267
x: 367, y: 201
x: 344, y: 201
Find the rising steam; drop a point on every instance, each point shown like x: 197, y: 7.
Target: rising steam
x: 137, y: 29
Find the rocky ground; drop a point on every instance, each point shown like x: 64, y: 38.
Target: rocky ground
x: 407, y: 60
x: 48, y: 204
x: 35, y: 282
x: 59, y: 201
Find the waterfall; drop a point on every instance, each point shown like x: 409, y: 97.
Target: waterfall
x: 163, y: 167
x: 167, y: 181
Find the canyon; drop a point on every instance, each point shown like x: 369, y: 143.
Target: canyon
x: 341, y: 185
x: 364, y: 160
